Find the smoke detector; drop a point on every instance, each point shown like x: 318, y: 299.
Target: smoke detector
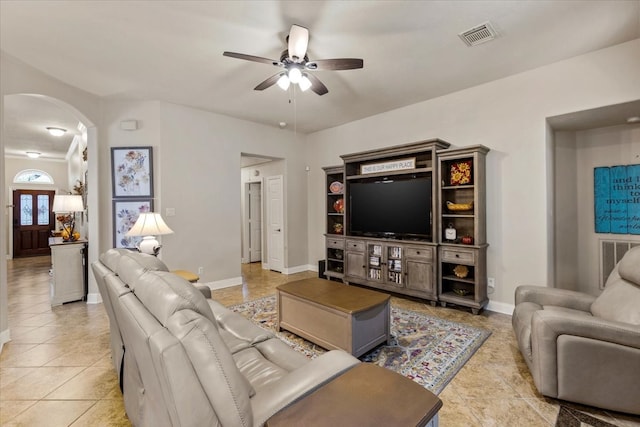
x: 479, y: 34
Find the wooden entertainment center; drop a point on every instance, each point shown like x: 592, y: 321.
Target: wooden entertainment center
x: 441, y: 257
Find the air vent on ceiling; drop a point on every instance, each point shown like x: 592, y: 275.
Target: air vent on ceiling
x: 479, y: 34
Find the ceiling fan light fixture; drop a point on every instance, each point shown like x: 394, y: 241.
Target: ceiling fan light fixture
x: 305, y: 83
x: 284, y: 82
x: 295, y: 75
x: 56, y: 131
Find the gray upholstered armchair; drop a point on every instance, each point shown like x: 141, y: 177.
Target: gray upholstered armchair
x: 582, y: 348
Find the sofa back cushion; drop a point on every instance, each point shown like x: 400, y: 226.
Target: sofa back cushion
x: 111, y: 258
x: 226, y: 389
x: 164, y: 293
x: 621, y: 297
x: 133, y: 264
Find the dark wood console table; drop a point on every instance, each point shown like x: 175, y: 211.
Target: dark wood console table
x: 366, y: 395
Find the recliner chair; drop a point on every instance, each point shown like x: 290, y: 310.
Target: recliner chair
x: 582, y: 348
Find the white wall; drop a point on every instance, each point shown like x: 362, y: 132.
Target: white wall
x: 197, y: 172
x: 566, y: 210
x: 509, y: 116
x: 57, y: 170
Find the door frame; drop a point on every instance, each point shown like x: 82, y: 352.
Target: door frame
x: 246, y: 226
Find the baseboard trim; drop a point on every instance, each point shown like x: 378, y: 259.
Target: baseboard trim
x: 94, y: 299
x: 500, y: 307
x: 221, y: 284
x: 5, y: 336
x: 298, y: 269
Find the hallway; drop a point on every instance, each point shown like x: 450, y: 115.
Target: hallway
x: 56, y: 370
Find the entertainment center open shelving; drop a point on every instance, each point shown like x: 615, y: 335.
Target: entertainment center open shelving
x: 410, y: 219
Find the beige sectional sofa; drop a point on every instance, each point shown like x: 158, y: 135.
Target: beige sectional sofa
x: 583, y: 348
x: 185, y: 360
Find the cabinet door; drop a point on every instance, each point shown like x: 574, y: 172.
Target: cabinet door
x: 68, y: 273
x: 356, y: 265
x: 420, y: 275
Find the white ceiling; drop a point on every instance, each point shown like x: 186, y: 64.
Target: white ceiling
x: 26, y: 119
x: 172, y: 50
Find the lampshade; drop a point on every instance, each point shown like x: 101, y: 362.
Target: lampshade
x: 284, y: 82
x: 305, y: 83
x: 149, y: 224
x: 295, y: 75
x: 67, y: 203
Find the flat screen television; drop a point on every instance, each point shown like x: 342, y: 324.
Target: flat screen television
x: 399, y: 208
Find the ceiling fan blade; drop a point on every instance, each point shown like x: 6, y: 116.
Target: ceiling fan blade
x: 335, y: 64
x: 316, y: 85
x: 252, y: 58
x: 298, y: 41
x: 269, y: 82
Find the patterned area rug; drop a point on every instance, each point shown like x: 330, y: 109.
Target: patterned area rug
x: 428, y: 350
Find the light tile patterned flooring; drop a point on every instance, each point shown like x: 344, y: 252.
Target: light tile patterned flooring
x: 57, y: 369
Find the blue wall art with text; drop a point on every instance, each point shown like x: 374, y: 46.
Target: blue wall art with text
x: 617, y: 199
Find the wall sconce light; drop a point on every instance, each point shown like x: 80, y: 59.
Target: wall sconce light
x: 33, y: 154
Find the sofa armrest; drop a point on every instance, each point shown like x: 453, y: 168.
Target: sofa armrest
x: 547, y: 327
x: 553, y: 296
x: 204, y: 290
x: 297, y: 384
x: 237, y: 325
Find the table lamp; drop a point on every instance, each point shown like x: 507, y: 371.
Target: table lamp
x: 68, y: 203
x: 149, y: 225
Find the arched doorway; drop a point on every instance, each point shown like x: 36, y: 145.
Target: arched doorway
x: 26, y: 114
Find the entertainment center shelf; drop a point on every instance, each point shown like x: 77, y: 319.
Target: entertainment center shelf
x: 410, y: 219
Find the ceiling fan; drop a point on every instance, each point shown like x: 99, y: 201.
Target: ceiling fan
x: 296, y: 64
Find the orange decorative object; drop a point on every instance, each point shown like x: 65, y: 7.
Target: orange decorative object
x: 461, y: 173
x: 338, y: 205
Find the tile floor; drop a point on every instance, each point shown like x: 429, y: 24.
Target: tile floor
x: 57, y: 369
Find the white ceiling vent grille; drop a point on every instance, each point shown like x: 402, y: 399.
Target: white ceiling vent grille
x: 480, y: 34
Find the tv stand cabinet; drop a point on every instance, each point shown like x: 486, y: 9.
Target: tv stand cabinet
x: 403, y: 267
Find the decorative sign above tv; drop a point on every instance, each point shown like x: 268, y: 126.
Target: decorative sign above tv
x: 617, y: 199
x: 395, y: 165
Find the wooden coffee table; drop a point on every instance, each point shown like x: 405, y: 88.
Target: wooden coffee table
x: 334, y: 315
x: 366, y: 395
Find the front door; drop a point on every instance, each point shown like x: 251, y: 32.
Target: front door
x: 275, y: 208
x: 33, y: 222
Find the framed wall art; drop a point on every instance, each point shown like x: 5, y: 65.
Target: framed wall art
x: 125, y: 214
x: 132, y: 172
x: 617, y: 199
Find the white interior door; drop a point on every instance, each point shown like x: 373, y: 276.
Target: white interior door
x: 275, y: 208
x: 255, y: 222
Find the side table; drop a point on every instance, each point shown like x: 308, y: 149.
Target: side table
x: 366, y: 395
x: 187, y: 275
